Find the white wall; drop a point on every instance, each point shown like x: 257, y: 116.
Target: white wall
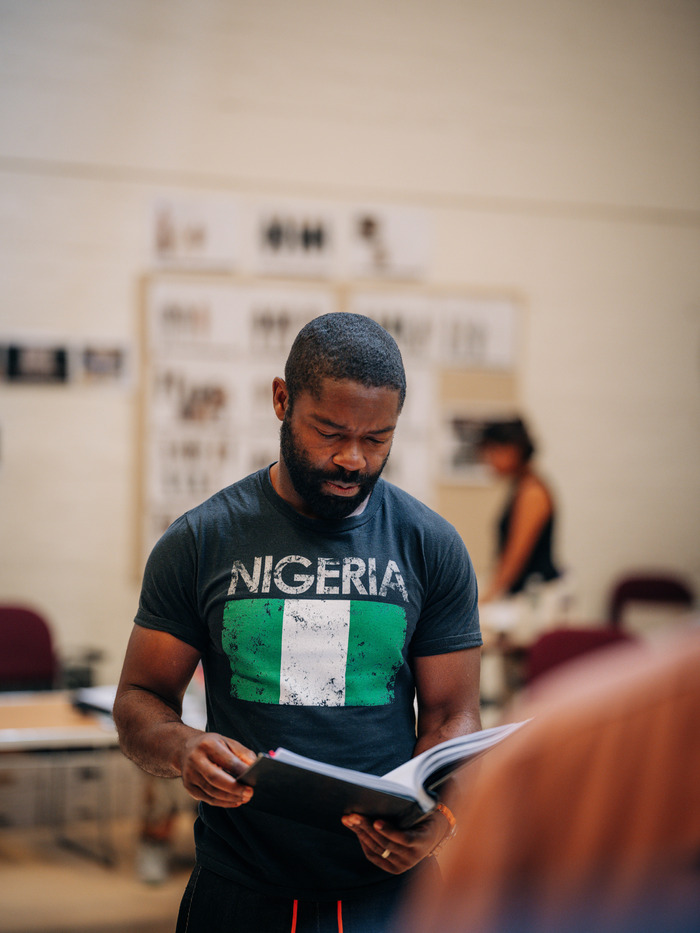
x: 555, y: 144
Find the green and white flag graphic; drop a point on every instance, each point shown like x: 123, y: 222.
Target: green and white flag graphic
x: 313, y: 652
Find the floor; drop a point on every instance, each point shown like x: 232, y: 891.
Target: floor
x: 48, y: 888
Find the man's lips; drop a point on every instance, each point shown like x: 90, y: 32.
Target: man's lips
x: 342, y: 489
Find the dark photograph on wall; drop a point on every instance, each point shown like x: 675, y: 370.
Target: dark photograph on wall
x: 35, y: 364
x: 103, y: 364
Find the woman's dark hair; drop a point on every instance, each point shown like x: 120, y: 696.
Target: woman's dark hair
x: 344, y: 346
x: 513, y: 432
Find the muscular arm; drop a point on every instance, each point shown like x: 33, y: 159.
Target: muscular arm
x: 447, y: 687
x: 147, y: 712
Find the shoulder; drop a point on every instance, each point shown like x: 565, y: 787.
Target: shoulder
x: 236, y: 503
x: 415, y: 516
x: 534, y: 493
x: 240, y: 497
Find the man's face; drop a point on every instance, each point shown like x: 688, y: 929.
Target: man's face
x: 334, y: 447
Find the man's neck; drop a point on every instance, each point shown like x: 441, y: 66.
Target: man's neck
x: 361, y: 507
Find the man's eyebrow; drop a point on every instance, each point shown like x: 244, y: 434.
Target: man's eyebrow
x: 341, y: 427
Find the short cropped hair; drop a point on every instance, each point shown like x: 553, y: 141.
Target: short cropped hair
x: 510, y: 433
x: 344, y: 346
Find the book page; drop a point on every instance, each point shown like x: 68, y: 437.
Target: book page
x: 451, y: 752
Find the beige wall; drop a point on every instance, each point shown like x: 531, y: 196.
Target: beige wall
x: 555, y: 145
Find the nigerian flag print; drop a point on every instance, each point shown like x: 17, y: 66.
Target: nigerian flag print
x: 314, y: 652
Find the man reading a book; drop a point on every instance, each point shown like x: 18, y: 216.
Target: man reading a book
x: 322, y: 602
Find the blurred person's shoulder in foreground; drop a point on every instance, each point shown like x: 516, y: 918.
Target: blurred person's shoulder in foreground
x: 589, y: 818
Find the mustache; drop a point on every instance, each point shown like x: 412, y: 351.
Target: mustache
x: 345, y: 476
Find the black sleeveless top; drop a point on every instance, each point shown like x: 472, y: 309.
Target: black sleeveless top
x: 540, y: 564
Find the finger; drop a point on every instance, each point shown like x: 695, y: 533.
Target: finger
x: 211, y: 795
x: 382, y: 839
x: 378, y: 834
x: 212, y: 781
x: 242, y: 757
x: 361, y: 827
x: 218, y: 764
x: 398, y: 837
x: 228, y: 755
x: 386, y: 859
x: 378, y: 848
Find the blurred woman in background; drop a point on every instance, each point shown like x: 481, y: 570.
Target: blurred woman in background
x: 526, y: 527
x: 527, y: 593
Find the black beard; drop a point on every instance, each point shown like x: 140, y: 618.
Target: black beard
x: 308, y: 480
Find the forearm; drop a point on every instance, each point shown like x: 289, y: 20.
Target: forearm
x: 434, y: 729
x: 444, y: 822
x: 448, y: 696
x: 151, y: 733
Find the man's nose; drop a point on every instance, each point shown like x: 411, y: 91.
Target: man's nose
x: 350, y: 456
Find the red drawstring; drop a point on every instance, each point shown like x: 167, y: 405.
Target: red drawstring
x: 295, y: 908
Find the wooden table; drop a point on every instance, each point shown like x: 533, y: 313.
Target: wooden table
x: 49, y: 720
x: 44, y: 731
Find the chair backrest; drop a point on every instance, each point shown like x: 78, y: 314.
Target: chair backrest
x: 559, y: 646
x: 655, y: 588
x: 27, y: 657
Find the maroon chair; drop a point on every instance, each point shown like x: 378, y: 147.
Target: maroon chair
x: 562, y: 645
x: 648, y: 587
x: 28, y: 660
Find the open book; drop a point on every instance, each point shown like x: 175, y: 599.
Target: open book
x: 309, y: 791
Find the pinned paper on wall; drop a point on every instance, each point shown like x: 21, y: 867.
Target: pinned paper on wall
x: 289, y: 238
x: 195, y: 233
x: 387, y: 242
x: 447, y: 329
x: 476, y: 333
x: 193, y: 318
x: 222, y: 318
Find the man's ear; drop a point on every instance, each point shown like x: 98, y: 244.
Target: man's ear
x: 280, y: 397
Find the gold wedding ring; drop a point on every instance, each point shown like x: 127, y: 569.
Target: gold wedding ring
x: 386, y: 853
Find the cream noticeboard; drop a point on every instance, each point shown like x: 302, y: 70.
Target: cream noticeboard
x: 212, y: 346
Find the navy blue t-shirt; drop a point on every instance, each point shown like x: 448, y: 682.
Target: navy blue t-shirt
x: 308, y: 630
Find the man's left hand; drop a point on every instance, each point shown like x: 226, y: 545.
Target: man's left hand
x: 397, y: 850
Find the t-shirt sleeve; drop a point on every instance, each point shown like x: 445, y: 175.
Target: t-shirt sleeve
x: 168, y: 601
x: 449, y: 620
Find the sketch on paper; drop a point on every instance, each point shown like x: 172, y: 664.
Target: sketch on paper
x: 385, y: 242
x: 294, y: 239
x: 195, y: 233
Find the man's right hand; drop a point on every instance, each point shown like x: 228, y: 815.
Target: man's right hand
x: 147, y: 712
x: 210, y: 763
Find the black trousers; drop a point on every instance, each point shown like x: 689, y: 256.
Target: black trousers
x: 214, y: 904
